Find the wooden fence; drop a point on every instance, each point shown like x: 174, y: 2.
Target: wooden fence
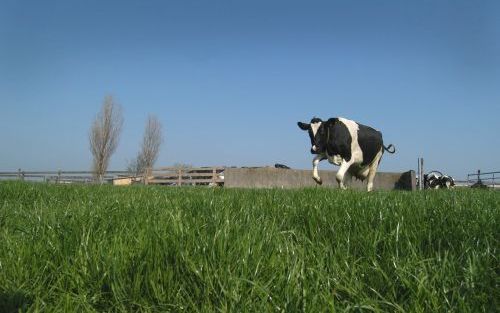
x: 60, y: 176
x: 213, y: 176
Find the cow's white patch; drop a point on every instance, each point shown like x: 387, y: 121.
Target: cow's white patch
x: 315, y: 127
x: 356, y: 152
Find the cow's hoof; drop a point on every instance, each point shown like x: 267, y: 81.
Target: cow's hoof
x: 318, y: 180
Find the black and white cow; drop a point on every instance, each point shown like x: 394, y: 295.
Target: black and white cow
x: 356, y: 148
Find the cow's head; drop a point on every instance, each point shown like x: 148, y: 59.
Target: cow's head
x: 316, y: 131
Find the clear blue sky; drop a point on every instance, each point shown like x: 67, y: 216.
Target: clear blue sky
x: 230, y: 79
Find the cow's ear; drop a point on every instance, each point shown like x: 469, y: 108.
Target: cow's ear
x: 304, y: 126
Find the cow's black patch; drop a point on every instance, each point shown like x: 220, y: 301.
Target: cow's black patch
x: 304, y: 126
x: 370, y: 142
x: 340, y: 140
x: 315, y: 120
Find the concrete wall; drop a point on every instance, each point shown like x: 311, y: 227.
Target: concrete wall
x: 268, y: 177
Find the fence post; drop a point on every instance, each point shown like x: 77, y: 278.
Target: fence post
x: 423, y: 174
x: 421, y: 183
x: 418, y: 173
x: 19, y: 173
x: 179, y: 182
x: 59, y: 176
x: 214, y: 175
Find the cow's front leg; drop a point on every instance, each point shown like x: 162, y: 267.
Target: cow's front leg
x: 341, y: 174
x: 315, y: 162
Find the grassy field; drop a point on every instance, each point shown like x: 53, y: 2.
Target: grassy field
x: 154, y: 249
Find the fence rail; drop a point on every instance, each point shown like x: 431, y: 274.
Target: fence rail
x: 490, y: 179
x: 187, y: 176
x: 59, y: 176
x: 158, y: 176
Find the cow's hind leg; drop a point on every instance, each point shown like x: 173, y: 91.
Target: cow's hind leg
x: 371, y: 177
x: 373, y: 170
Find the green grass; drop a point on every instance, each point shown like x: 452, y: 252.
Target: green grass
x: 160, y: 249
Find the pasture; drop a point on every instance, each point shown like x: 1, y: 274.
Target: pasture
x: 88, y: 248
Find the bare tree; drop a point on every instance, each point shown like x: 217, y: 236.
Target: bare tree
x: 151, y: 142
x: 104, y: 135
x: 133, y: 167
x: 150, y: 145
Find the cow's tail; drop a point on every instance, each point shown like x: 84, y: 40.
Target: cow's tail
x: 388, y: 148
